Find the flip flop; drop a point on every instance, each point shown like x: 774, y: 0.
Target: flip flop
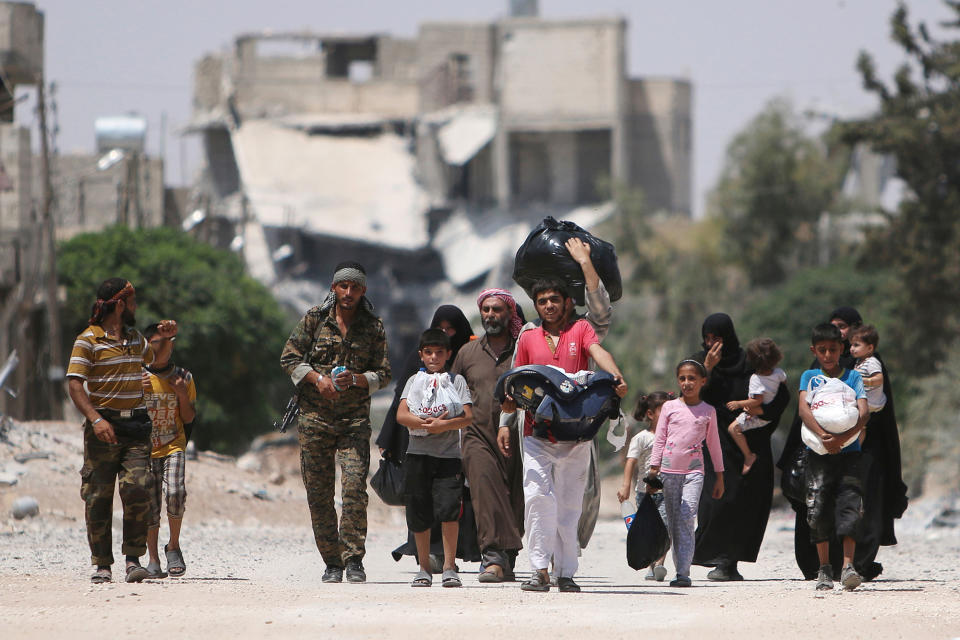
x: 451, y: 579
x: 422, y: 579
x: 102, y: 575
x: 175, y: 564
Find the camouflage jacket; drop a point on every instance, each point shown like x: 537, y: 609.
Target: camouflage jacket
x: 363, y: 351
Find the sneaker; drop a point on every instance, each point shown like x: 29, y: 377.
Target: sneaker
x: 681, y: 581
x: 332, y: 574
x: 650, y: 574
x: 659, y: 573
x: 849, y: 578
x: 537, y: 582
x: 355, y: 572
x: 567, y: 585
x: 825, y: 578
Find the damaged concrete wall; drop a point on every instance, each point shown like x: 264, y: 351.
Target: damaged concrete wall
x: 456, y: 63
x: 560, y: 72
x: 661, y: 142
x: 88, y: 199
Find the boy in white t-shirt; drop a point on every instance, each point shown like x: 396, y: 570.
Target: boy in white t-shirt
x: 763, y: 354
x: 863, y: 343
x: 433, y: 472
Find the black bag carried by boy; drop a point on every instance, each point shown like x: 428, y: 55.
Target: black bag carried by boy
x: 543, y: 255
x: 792, y: 482
x: 647, y: 539
x: 387, y: 482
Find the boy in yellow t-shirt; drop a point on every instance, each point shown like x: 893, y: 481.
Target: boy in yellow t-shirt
x: 170, y: 395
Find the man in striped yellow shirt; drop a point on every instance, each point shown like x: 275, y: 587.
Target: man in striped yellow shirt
x: 104, y: 382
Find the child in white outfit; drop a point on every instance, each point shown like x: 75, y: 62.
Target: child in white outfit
x: 763, y: 355
x: 638, y: 458
x: 863, y: 343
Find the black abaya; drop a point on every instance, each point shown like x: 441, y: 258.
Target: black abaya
x: 731, y: 529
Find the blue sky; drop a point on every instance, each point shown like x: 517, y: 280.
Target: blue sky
x: 115, y: 56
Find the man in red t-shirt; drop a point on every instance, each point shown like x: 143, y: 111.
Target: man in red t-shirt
x: 555, y: 473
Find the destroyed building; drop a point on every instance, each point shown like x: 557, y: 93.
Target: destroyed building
x: 428, y: 159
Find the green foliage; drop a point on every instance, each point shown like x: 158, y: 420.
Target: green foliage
x: 776, y: 182
x: 919, y: 124
x: 231, y: 328
x: 930, y: 443
x: 788, y: 313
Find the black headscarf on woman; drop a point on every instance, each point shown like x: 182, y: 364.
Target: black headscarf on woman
x: 852, y: 319
x: 393, y: 438
x: 848, y: 314
x: 721, y: 326
x: 460, y: 324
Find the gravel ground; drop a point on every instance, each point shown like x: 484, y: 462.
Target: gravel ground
x: 253, y: 571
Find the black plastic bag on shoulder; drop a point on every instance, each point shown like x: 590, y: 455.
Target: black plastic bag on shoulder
x: 543, y: 255
x: 647, y: 539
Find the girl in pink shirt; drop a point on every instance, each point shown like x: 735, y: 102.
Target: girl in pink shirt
x: 683, y: 425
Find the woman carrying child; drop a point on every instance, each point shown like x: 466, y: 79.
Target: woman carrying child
x: 638, y: 455
x: 683, y: 425
x: 731, y: 530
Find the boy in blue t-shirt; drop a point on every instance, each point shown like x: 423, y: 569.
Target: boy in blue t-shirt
x: 834, y: 491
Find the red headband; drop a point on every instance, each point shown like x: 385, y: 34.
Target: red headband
x: 123, y: 294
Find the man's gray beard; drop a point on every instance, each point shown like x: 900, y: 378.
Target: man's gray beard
x: 493, y: 328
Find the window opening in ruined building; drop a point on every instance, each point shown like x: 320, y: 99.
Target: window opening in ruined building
x: 461, y: 78
x: 360, y: 71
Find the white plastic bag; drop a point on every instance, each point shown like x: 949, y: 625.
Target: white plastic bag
x: 430, y: 396
x: 613, y: 438
x: 834, y: 407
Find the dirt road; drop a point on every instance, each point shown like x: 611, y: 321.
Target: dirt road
x: 253, y: 572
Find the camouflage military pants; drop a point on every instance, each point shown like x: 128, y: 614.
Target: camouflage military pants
x: 320, y: 450
x: 103, y: 465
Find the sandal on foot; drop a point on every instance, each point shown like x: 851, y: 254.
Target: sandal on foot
x: 175, y: 564
x: 101, y: 575
x: 154, y: 571
x: 490, y: 575
x: 136, y: 573
x: 422, y: 579
x: 451, y: 579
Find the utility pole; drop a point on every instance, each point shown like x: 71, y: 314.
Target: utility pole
x: 50, y: 242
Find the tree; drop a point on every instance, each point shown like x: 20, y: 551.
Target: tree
x: 919, y: 125
x: 775, y: 183
x: 231, y: 328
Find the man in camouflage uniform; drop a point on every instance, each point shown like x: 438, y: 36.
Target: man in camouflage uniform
x: 107, y: 357
x: 334, y: 418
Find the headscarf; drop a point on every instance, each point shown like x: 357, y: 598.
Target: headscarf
x: 462, y: 328
x: 848, y: 314
x: 349, y: 274
x: 721, y: 326
x: 852, y: 317
x: 98, y: 306
x: 516, y: 321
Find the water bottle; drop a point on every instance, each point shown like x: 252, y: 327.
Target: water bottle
x: 628, y: 511
x: 333, y: 375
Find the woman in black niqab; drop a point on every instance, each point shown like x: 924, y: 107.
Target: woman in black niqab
x: 731, y: 529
